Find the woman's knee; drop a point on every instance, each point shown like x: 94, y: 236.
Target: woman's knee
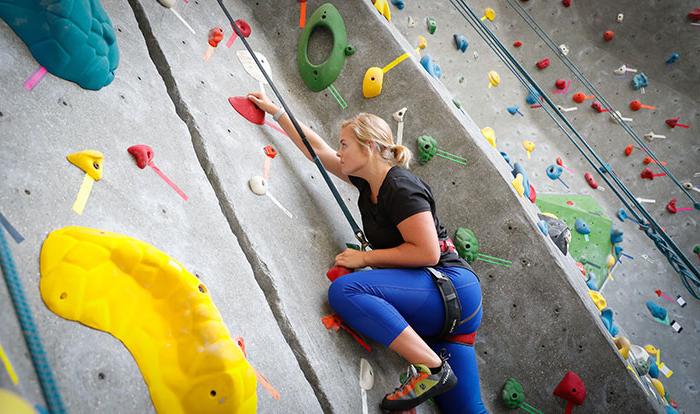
x: 338, y: 292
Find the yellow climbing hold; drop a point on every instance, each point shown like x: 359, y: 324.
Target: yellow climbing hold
x: 383, y: 7
x: 623, y: 346
x: 598, y: 300
x: 89, y: 161
x: 659, y: 387
x: 161, y: 313
x: 518, y: 184
x: 529, y: 147
x: 422, y: 44
x: 494, y: 79
x: 490, y: 135
x: 489, y: 14
x: 11, y: 403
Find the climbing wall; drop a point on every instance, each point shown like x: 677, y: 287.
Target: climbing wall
x: 264, y: 269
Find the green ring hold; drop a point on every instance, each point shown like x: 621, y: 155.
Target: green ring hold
x: 350, y: 50
x: 427, y: 148
x: 319, y: 77
x: 467, y: 244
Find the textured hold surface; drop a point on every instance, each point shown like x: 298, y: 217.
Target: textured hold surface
x: 90, y: 161
x: 73, y: 39
x: 162, y: 313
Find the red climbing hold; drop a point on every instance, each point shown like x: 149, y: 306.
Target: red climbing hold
x: 628, y: 150
x: 608, y: 35
x: 143, y: 154
x: 671, y: 206
x: 543, y: 64
x: 337, y: 271
x: 533, y: 194
x: 579, y: 97
x: 517, y: 43
x: 566, y: 3
x: 590, y: 180
x: 694, y: 15
x: 598, y: 107
x: 247, y: 109
x: 572, y: 389
x: 673, y: 122
x: 215, y: 36
x: 581, y: 268
x: 648, y: 160
x: 270, y: 151
x: 647, y: 174
x: 560, y: 84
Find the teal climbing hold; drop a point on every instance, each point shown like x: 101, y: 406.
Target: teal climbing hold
x: 319, y: 77
x: 72, y: 40
x: 429, y: 65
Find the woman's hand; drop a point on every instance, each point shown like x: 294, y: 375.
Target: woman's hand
x: 260, y: 99
x: 351, y: 258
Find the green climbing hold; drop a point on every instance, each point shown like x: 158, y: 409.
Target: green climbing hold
x: 319, y: 77
x: 350, y: 50
x: 466, y: 244
x: 513, y: 394
x: 457, y: 103
x: 432, y: 25
x: 696, y: 249
x: 427, y: 148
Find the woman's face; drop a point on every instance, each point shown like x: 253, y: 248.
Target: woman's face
x: 353, y: 155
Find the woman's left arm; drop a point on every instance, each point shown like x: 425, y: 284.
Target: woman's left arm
x: 420, y: 247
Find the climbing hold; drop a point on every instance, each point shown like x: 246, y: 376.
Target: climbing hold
x: 382, y: 7
x: 319, y: 77
x: 518, y: 184
x: 542, y: 63
x: 544, y: 227
x: 242, y: 27
x: 515, y: 109
x: 432, y: 24
x: 693, y: 15
x: 374, y: 77
x: 640, y: 359
x: 258, y: 185
x: 460, y: 42
x: 564, y: 49
x: 598, y: 300
x: 616, y: 236
x: 490, y: 135
x: 671, y: 207
x: 673, y: 58
x: 400, y: 4
x: 561, y: 164
x: 623, y: 346
x: 554, y: 173
x: 143, y: 154
x: 566, y: 3
x: 15, y: 404
x: 648, y: 160
x: 507, y: 158
x: 607, y: 317
x: 608, y: 35
x: 90, y: 161
x: 529, y: 147
x: 494, y: 79
x: 571, y: 388
x: 74, y: 43
x: 337, y: 271
x: 517, y: 43
x: 647, y: 174
x: 628, y: 150
x: 489, y: 14
x: 657, y: 311
x: 467, y: 244
x: 658, y: 386
x: 513, y: 394
x: 635, y: 105
x: 350, y: 50
x: 673, y: 122
x: 560, y: 84
x: 518, y: 169
x: 216, y: 35
x: 427, y: 149
x: 398, y: 117
x: 590, y: 180
x: 132, y: 290
x: 411, y: 21
x: 582, y: 228
x: 598, y: 107
x: 640, y: 81
x: 623, y: 70
x: 431, y: 67
x: 247, y: 109
x: 620, y: 17
x: 533, y: 97
x: 579, y: 97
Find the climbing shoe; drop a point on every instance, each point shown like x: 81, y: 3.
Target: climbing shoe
x: 419, y: 385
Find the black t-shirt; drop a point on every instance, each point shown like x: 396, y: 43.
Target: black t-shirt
x: 401, y: 195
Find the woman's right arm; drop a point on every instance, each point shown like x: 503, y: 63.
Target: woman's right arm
x: 325, y: 153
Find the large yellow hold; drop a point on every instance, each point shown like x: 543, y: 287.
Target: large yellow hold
x: 161, y: 313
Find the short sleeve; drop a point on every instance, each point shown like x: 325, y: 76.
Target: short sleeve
x: 405, y: 199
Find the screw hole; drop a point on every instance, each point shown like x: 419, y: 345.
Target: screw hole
x: 212, y: 393
x: 27, y: 192
x: 63, y: 296
x: 100, y: 376
x: 202, y: 288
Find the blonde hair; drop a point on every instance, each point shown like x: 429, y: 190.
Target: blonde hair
x: 372, y: 130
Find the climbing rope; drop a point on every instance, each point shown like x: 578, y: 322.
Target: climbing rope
x: 43, y: 370
x: 690, y: 277
x: 359, y: 234
x: 591, y: 88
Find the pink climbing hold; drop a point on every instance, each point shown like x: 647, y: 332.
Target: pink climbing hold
x: 245, y: 29
x: 566, y: 3
x: 590, y: 180
x: 247, y: 109
x: 143, y: 154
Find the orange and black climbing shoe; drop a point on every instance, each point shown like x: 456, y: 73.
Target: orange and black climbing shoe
x: 419, y: 385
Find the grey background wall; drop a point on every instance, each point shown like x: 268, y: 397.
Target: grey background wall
x: 264, y: 270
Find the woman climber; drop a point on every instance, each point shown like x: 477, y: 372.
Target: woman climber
x: 399, y: 303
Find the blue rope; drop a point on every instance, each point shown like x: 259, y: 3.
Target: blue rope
x: 680, y: 263
x: 31, y: 336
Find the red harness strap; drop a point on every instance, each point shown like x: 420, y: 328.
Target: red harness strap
x: 464, y: 339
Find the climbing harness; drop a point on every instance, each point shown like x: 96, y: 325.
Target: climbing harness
x: 359, y: 234
x: 453, y: 307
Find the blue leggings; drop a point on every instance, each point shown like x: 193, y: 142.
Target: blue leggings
x: 381, y: 303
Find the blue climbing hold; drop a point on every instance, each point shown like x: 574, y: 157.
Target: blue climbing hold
x: 671, y: 410
x: 532, y: 98
x: 653, y: 368
x: 461, y: 42
x: 506, y: 157
x: 616, y: 236
x: 673, y: 58
x: 640, y: 81
x: 554, y: 171
x: 515, y: 109
x: 518, y: 169
x: 607, y: 317
x: 74, y: 41
x: 657, y: 311
x: 432, y: 67
x: 399, y: 4
x: 544, y: 227
x: 591, y: 282
x: 582, y: 227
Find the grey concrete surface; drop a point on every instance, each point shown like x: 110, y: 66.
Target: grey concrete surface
x: 266, y: 271
x: 649, y: 33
